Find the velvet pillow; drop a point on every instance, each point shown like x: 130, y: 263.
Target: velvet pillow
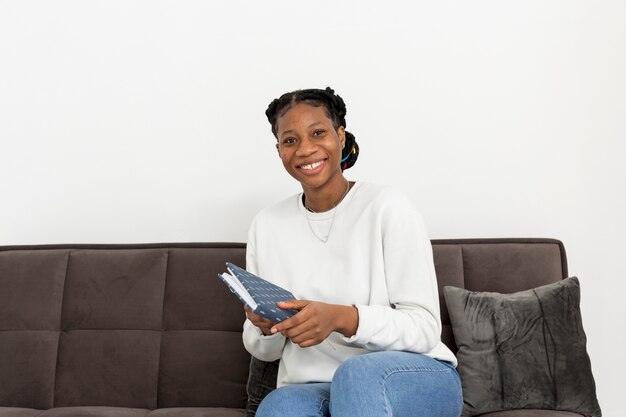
x: 525, y: 350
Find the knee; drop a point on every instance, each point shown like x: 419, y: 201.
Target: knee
x: 292, y: 400
x: 352, y: 371
x: 363, y: 374
x: 275, y: 403
x: 362, y: 369
x: 396, y: 383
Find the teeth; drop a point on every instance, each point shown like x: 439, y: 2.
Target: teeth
x: 311, y: 166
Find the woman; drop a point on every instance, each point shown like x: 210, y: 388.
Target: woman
x: 366, y: 338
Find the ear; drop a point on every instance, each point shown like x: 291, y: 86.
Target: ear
x: 342, y: 136
x: 278, y: 150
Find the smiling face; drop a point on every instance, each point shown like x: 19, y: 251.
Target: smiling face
x: 310, y: 147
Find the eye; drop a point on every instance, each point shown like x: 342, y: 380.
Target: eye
x: 319, y: 132
x: 288, y: 141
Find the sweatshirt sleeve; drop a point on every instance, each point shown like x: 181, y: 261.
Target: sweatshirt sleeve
x: 265, y: 348
x: 411, y: 321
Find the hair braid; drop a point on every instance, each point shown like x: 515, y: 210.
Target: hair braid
x: 335, y: 109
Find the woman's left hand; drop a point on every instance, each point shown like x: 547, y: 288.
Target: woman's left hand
x: 315, y: 321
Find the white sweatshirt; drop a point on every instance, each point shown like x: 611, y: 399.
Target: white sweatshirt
x: 377, y: 257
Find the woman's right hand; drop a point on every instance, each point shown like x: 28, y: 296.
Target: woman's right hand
x: 262, y: 323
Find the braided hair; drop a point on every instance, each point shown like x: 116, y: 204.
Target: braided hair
x: 335, y: 110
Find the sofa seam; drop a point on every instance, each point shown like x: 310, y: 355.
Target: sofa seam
x: 463, y: 266
x: 60, y: 331
x: 158, y: 380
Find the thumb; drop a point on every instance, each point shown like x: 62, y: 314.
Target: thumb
x: 293, y: 304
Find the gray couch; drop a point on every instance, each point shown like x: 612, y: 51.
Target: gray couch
x: 148, y: 329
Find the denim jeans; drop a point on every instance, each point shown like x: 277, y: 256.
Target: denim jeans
x: 378, y: 384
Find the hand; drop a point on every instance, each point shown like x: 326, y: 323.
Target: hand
x: 262, y: 323
x: 315, y: 321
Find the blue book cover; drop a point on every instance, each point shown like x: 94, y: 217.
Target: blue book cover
x: 258, y: 294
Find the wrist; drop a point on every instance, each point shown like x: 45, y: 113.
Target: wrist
x: 347, y: 320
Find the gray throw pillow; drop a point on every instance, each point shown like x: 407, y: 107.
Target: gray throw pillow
x: 525, y: 350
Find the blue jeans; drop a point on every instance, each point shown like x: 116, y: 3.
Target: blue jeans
x: 378, y: 384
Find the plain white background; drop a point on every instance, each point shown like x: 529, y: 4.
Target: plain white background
x: 143, y: 121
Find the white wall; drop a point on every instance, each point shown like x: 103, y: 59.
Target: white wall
x: 143, y: 121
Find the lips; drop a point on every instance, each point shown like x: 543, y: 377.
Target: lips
x: 312, y: 167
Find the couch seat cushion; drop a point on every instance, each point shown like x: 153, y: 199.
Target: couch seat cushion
x: 531, y: 413
x: 197, y: 412
x: 73, y: 412
x: 122, y: 412
x: 18, y: 412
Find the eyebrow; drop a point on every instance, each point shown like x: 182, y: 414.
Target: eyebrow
x: 293, y: 131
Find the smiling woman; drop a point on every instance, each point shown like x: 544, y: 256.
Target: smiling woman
x: 313, y: 144
x: 310, y: 148
x: 344, y: 249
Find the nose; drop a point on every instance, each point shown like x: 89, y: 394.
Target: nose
x: 306, y: 147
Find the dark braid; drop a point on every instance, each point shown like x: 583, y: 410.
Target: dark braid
x: 335, y: 110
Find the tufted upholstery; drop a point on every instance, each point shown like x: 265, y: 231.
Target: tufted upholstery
x: 499, y: 265
x: 139, y: 327
x: 135, y: 330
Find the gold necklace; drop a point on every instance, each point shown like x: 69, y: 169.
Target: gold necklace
x: 332, y: 219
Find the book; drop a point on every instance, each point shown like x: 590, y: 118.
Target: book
x: 257, y: 294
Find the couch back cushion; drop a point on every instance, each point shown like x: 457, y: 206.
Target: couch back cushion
x: 144, y: 326
x: 497, y: 265
x: 150, y: 326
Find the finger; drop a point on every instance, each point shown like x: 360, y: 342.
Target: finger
x: 309, y: 334
x: 291, y: 322
x: 309, y: 343
x: 253, y: 316
x: 306, y: 328
x: 258, y: 320
x: 293, y: 304
x: 284, y: 325
x: 265, y: 322
x: 261, y: 323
